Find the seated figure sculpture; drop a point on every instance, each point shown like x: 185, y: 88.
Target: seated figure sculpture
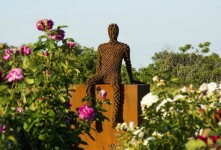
x: 108, y: 69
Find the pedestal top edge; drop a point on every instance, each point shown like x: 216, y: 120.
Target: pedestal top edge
x: 110, y: 85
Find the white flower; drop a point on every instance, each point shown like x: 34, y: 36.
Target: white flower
x: 118, y: 127
x: 145, y: 142
x: 204, y: 87
x: 211, y: 105
x: 212, y: 87
x: 134, y: 142
x: 131, y: 125
x: 155, y: 78
x: 150, y: 138
x: 171, y: 108
x: 156, y: 134
x: 219, y: 124
x: 183, y: 90
x: 161, y: 83
x: 163, y: 110
x: 163, y: 102
x: 136, y: 132
x: 204, y: 107
x: 141, y: 134
x: 201, y: 132
x: 123, y: 126
x: 165, y: 114
x: 148, y: 100
x: 178, y: 97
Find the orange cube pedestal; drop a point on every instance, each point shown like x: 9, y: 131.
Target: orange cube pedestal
x: 106, y: 139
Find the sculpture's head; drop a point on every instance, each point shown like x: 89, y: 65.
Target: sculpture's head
x: 113, y: 31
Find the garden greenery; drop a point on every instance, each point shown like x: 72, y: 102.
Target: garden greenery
x: 189, y: 118
x: 35, y: 84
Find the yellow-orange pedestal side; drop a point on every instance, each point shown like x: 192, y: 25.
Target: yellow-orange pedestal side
x: 106, y: 140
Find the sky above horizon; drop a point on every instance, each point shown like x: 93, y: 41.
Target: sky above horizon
x: 147, y: 26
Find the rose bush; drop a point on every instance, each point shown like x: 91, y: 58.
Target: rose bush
x: 188, y: 118
x: 35, y: 84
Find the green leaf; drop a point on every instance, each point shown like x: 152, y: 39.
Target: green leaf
x: 29, y: 124
x: 26, y: 63
x: 195, y: 145
x: 61, y: 97
x: 30, y: 80
x: 37, y: 81
x: 51, y: 115
x: 42, y: 137
x: 62, y: 26
x: 12, y: 138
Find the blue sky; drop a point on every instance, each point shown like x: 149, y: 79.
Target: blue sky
x: 147, y: 26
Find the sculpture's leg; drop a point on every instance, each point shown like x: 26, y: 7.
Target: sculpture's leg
x: 117, y: 98
x: 91, y: 85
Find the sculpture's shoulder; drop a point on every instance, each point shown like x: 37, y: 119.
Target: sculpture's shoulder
x: 125, y: 46
x: 103, y: 44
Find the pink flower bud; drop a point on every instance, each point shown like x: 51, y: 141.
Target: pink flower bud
x: 71, y: 44
x: 6, y: 56
x: 40, y: 26
x: 45, y: 24
x: 103, y: 94
x: 8, y: 51
x: 19, y: 109
x: 25, y: 50
x: 2, y: 128
x: 57, y: 35
x: 46, y: 54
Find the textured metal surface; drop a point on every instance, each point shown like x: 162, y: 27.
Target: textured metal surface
x: 105, y: 139
x: 108, y: 69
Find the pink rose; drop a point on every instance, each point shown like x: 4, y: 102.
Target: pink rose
x: 86, y: 113
x: 44, y: 25
x: 2, y: 128
x: 48, y: 23
x: 7, y: 54
x: 71, y: 44
x: 40, y: 26
x: 8, y: 51
x: 57, y: 35
x: 14, y: 75
x: 103, y: 94
x: 6, y: 57
x: 25, y: 50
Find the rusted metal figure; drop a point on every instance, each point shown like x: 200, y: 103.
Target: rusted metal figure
x: 108, y: 69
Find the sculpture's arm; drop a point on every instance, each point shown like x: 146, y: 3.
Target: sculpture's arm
x: 99, y: 58
x: 128, y: 63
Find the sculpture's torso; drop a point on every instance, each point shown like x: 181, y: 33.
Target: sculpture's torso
x: 111, y: 59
